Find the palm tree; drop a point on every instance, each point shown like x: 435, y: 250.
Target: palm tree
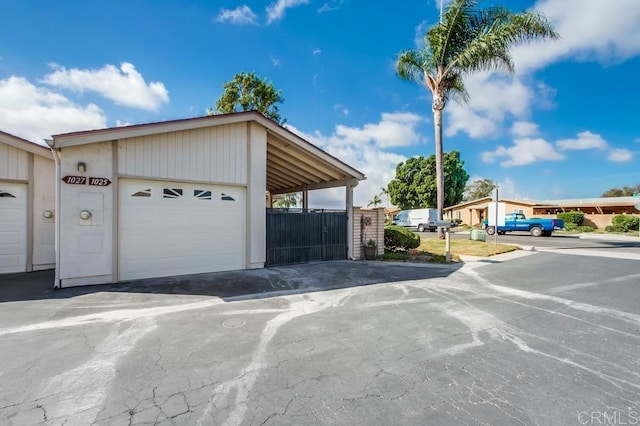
x: 375, y: 202
x: 385, y: 192
x: 466, y: 40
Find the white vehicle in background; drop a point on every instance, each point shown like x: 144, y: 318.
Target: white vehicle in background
x: 421, y: 219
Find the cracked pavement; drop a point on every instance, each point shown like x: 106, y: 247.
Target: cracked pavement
x: 541, y: 339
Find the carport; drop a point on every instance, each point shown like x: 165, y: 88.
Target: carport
x: 304, y: 235
x: 180, y: 197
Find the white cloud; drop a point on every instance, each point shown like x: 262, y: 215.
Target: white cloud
x: 124, y: 86
x: 493, y: 98
x: 585, y: 140
x: 341, y: 108
x: 36, y: 113
x: 275, y: 61
x: 524, y: 151
x: 524, y: 129
x: 276, y: 10
x: 316, y: 52
x: 331, y: 6
x: 507, y: 189
x: 620, y: 155
x: 365, y: 148
x: 419, y: 33
x: 394, y: 130
x: 241, y: 15
x: 606, y: 31
x: 461, y: 118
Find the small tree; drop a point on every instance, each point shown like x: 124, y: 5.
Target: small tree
x: 248, y: 92
x: 287, y: 200
x: 626, y: 191
x: 414, y: 185
x: 479, y: 188
x: 573, y: 218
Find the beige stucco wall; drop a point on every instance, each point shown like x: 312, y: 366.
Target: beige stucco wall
x: 599, y: 221
x: 474, y: 214
x: 367, y: 224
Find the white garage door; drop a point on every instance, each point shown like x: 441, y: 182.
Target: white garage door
x: 13, y: 227
x: 171, y: 228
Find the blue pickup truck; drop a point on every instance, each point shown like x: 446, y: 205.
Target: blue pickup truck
x: 518, y: 222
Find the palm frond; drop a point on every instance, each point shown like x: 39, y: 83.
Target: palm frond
x: 495, y: 31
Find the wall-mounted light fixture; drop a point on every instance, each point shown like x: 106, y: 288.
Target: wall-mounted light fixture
x: 82, y: 167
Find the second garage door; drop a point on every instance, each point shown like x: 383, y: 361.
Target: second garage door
x: 171, y: 228
x: 13, y: 227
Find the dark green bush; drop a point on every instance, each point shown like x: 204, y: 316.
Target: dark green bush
x: 399, y: 238
x: 625, y: 223
x: 573, y: 217
x: 585, y: 228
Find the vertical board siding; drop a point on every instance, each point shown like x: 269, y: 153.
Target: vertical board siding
x: 14, y: 163
x: 212, y: 154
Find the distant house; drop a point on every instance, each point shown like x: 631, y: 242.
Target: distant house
x: 598, y: 211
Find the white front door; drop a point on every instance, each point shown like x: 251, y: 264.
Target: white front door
x: 172, y: 228
x: 13, y: 227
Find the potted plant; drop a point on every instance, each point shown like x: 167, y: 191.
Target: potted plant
x: 370, y: 249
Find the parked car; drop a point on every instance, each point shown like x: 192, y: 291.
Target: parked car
x: 420, y: 219
x: 518, y: 222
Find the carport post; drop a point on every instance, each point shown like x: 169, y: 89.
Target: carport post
x: 349, y: 185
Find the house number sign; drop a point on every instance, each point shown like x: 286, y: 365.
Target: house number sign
x: 99, y: 181
x: 83, y: 180
x: 75, y: 180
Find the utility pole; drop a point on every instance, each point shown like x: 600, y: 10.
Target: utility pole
x: 495, y: 234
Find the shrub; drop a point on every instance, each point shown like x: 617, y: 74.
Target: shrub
x: 625, y: 223
x: 456, y: 222
x: 399, y: 238
x: 585, y: 229
x: 573, y: 217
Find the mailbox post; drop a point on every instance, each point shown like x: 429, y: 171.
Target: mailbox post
x: 446, y: 225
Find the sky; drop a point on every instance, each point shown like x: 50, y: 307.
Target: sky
x: 565, y: 125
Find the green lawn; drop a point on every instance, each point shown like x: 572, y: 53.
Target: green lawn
x: 433, y: 250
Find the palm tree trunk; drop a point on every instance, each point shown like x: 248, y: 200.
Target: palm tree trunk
x: 437, y: 122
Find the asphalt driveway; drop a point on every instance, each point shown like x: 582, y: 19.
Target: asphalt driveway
x: 333, y: 343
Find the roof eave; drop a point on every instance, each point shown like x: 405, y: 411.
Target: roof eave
x: 25, y: 145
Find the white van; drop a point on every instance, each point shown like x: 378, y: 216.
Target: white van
x: 422, y: 219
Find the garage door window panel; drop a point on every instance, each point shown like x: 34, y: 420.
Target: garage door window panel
x: 145, y: 193
x: 202, y: 194
x: 172, y: 193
